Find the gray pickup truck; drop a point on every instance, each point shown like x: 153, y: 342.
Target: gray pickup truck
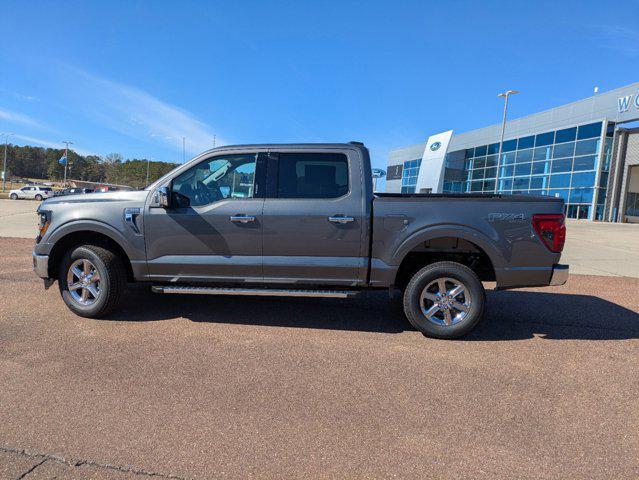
x: 298, y: 220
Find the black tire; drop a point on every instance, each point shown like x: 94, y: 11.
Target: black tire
x: 38, y: 197
x: 112, y: 283
x: 14, y: 196
x: 432, y: 273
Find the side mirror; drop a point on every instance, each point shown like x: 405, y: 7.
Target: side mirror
x: 164, y: 197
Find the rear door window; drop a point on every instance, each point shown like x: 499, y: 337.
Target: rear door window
x: 312, y: 175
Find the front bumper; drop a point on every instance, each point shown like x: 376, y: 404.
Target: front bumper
x: 559, y: 274
x: 41, y: 265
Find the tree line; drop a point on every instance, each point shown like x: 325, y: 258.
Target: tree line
x: 38, y: 162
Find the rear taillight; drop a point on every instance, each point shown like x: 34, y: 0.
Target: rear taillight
x: 551, y: 228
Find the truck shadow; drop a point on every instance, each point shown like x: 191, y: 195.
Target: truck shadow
x: 510, y: 315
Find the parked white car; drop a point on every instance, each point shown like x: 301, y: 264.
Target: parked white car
x: 31, y: 192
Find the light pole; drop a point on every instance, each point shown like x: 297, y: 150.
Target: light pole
x: 4, y: 167
x: 66, y: 161
x: 505, y: 95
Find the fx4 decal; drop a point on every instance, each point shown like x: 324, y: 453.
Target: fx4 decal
x: 507, y: 217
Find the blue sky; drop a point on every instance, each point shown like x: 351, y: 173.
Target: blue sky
x: 134, y: 77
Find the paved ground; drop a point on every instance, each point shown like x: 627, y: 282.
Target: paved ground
x: 18, y: 218
x: 203, y: 387
x: 591, y: 248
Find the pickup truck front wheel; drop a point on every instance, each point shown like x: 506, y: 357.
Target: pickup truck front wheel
x: 92, y: 280
x: 444, y: 300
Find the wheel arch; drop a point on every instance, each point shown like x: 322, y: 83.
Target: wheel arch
x: 452, y: 243
x: 81, y: 236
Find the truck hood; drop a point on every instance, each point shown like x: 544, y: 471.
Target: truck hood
x: 136, y: 196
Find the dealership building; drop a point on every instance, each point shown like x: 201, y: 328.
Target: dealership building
x: 586, y: 152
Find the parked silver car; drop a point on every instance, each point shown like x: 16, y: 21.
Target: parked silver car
x: 31, y: 192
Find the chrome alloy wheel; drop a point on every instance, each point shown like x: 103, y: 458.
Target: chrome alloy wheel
x: 83, y: 281
x: 445, y: 301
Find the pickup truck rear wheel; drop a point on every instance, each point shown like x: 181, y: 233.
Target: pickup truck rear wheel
x: 14, y: 196
x: 92, y: 280
x: 444, y: 300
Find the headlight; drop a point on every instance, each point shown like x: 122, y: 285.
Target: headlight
x: 43, y: 225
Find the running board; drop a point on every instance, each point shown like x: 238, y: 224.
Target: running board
x: 261, y: 292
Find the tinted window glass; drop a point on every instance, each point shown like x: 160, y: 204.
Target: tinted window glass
x: 587, y: 147
x: 217, y: 178
x: 491, y: 173
x: 480, y: 151
x: 508, y: 158
x: 493, y: 148
x: 506, y: 184
x: 312, y: 175
x: 491, y: 161
x: 470, y: 153
x: 545, y: 139
x: 526, y: 142
x: 480, y: 162
x: 584, y: 163
x: 540, y: 167
x: 489, y: 186
x: 542, y: 153
x: 509, y: 145
x: 562, y: 165
x: 591, y: 130
x: 563, y: 150
x: 561, y: 180
x: 581, y: 195
x: 522, y: 169
x: 524, y: 156
x: 539, y: 182
x: 506, y: 171
x: 566, y: 135
x: 585, y: 179
x: 521, y: 183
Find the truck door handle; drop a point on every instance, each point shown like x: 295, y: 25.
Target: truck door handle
x: 242, y: 218
x: 341, y: 219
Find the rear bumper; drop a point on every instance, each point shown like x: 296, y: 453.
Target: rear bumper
x: 41, y: 265
x: 559, y: 275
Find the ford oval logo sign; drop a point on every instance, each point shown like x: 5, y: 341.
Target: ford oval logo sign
x: 435, y: 146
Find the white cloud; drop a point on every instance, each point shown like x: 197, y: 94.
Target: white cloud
x: 621, y: 39
x: 49, y: 144
x: 139, y: 115
x: 18, y: 118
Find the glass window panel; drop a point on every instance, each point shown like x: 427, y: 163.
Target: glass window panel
x: 506, y: 171
x: 572, y: 211
x: 562, y: 193
x: 540, y: 167
x: 563, y: 150
x: 217, y: 178
x: 526, y: 142
x: 509, y: 145
x: 587, y: 147
x: 544, y: 139
x: 489, y: 186
x: 560, y: 181
x: 468, y: 164
x: 493, y: 148
x: 539, y: 182
x: 506, y: 184
x: 508, y: 158
x: 542, y: 153
x: 476, y: 186
x: 491, y: 161
x: 479, y: 173
x: 581, y: 195
x: 583, y: 179
x: 521, y: 183
x: 481, y: 151
x: 584, y: 163
x: 603, y: 179
x: 536, y: 192
x: 522, y: 169
x: 524, y: 155
x: 563, y: 165
x: 566, y: 135
x: 591, y: 130
x: 491, y: 172
x: 480, y: 162
x: 470, y: 152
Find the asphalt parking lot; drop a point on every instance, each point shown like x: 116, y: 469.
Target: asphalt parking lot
x: 205, y: 387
